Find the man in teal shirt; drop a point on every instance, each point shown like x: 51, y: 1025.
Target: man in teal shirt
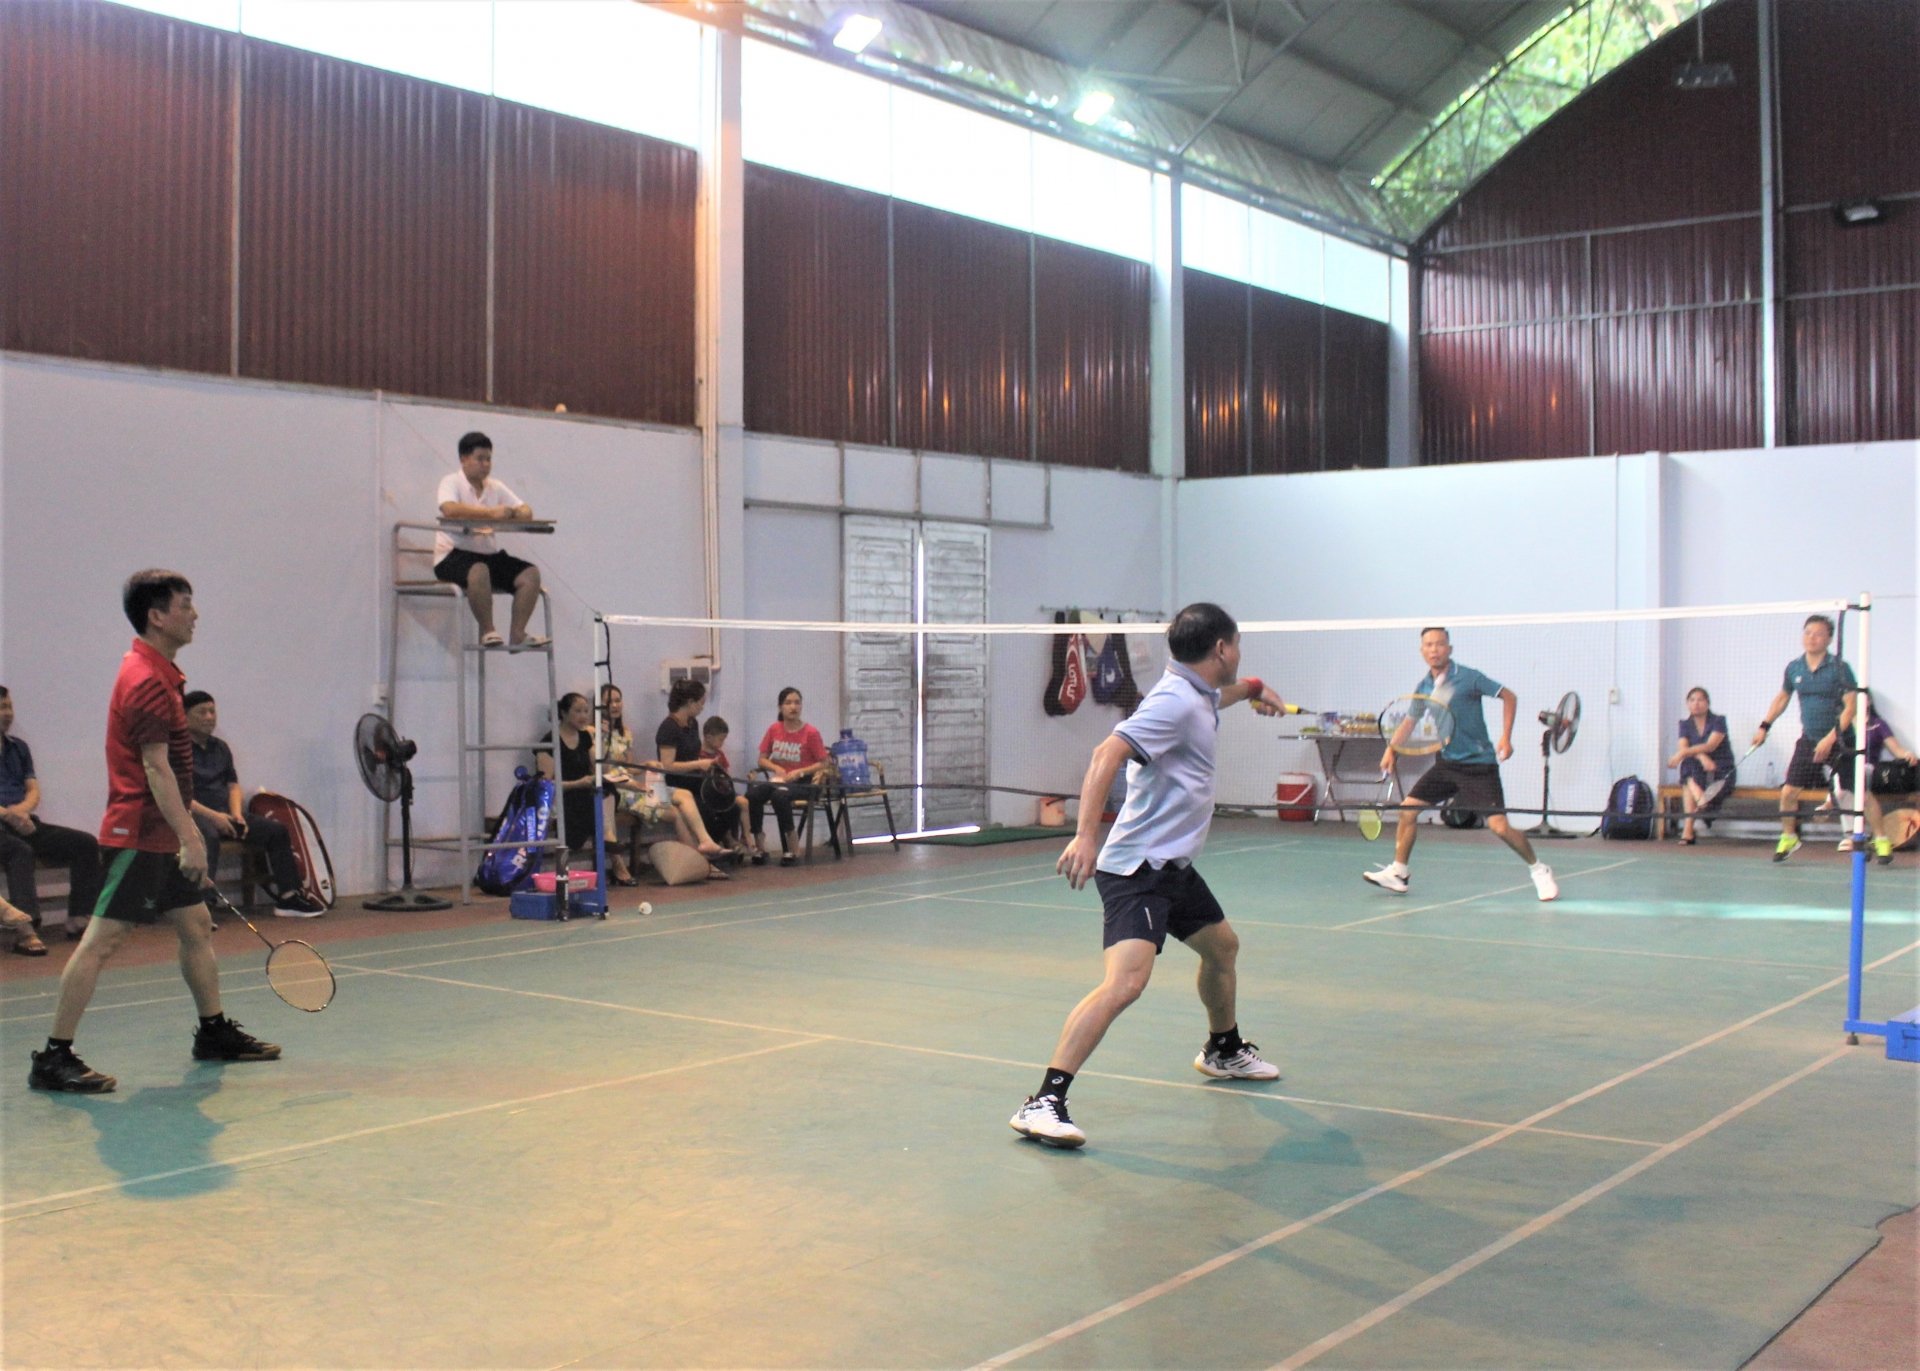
x: 1468, y: 769
x: 1828, y: 696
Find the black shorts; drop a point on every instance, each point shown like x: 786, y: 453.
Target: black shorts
x: 1150, y: 904
x: 140, y: 887
x: 1808, y: 774
x: 1473, y: 786
x: 503, y: 567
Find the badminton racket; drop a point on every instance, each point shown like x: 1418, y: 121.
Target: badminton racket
x: 1370, y: 821
x: 1416, y: 725
x: 1708, y: 794
x: 295, y: 971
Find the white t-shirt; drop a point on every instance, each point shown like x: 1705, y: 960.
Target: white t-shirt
x: 456, y: 489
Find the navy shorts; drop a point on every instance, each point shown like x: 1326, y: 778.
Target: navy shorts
x: 1150, y: 904
x: 1808, y: 774
x: 503, y: 568
x: 140, y: 887
x: 1474, y: 786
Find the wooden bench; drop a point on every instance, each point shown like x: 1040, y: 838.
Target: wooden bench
x: 1672, y: 807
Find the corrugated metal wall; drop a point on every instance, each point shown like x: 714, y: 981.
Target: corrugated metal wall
x: 595, y: 265
x: 362, y: 222
x: 1216, y: 332
x: 1600, y: 291
x: 1277, y: 384
x: 1850, y: 87
x: 1092, y: 341
x: 116, y: 181
x: 962, y: 332
x: 885, y: 322
x: 817, y: 360
x: 363, y: 227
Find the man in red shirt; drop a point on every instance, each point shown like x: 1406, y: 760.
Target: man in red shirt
x: 156, y: 862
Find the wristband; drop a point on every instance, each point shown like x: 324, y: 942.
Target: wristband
x: 1254, y: 686
x: 1766, y: 725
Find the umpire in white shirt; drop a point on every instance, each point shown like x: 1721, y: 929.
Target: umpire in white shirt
x: 473, y: 560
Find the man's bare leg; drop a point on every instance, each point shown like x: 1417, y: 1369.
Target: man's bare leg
x: 1129, y: 965
x: 1218, y: 983
x: 198, y: 965
x: 103, y: 938
x: 480, y: 596
x: 1498, y: 826
x: 526, y: 594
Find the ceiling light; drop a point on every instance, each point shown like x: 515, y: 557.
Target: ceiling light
x: 1093, y: 107
x: 856, y: 32
x: 1859, y: 213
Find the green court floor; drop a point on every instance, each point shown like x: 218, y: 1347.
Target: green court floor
x: 767, y: 1128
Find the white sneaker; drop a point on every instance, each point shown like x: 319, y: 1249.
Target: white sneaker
x: 1387, y: 879
x: 1244, y: 1065
x: 1543, y: 881
x: 1044, y: 1119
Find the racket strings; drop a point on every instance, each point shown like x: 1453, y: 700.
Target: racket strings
x: 300, y: 976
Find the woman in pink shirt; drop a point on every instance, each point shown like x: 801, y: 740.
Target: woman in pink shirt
x: 795, y: 757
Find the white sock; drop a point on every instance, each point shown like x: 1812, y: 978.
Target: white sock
x: 1399, y: 869
x: 1539, y: 866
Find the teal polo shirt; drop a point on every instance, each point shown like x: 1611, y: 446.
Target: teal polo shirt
x: 1821, y: 692
x: 1461, y: 691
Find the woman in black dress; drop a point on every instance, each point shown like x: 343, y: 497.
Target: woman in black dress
x: 576, y: 767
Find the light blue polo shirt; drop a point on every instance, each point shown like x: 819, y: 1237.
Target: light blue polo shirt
x: 1461, y: 691
x: 1169, y: 804
x: 1821, y: 692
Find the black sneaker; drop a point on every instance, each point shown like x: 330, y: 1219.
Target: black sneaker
x: 58, y: 1068
x: 223, y: 1040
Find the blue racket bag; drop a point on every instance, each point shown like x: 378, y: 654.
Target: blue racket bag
x: 527, y: 818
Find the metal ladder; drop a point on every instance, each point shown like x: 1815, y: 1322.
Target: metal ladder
x: 472, y: 840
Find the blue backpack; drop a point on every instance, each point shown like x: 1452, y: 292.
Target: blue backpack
x: 1629, y: 810
x: 527, y: 818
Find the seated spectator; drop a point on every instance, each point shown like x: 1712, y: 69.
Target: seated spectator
x: 677, y: 745
x: 629, y: 803
x: 632, y: 794
x: 1880, y: 743
x: 219, y: 815
x: 474, y: 560
x: 576, y: 767
x: 796, y: 760
x: 25, y: 839
x: 1705, y: 759
x: 725, y: 810
x: 18, y: 927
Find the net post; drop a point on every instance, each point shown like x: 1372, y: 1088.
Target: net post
x: 602, y: 677
x: 1857, y: 918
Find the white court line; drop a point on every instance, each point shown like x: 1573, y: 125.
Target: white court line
x: 701, y: 908
x: 377, y: 1129
x: 1314, y: 1350
x: 342, y: 962
x: 1548, y: 947
x: 1405, y: 1178
x: 1251, y: 1095
x: 1484, y: 895
x: 1242, y: 921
